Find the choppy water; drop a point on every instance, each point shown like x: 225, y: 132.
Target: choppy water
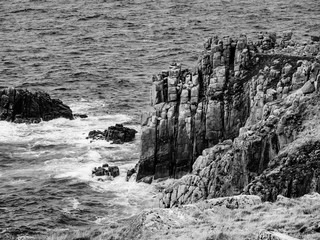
x: 98, y: 56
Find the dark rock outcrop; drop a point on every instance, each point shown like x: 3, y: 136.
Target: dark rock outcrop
x: 130, y: 172
x: 230, y: 119
x: 22, y: 106
x: 97, y: 135
x: 106, y: 170
x: 118, y: 134
x: 80, y: 115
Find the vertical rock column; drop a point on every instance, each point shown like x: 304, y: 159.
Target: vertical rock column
x: 166, y: 116
x: 193, y: 111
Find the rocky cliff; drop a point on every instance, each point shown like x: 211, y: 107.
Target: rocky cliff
x: 20, y: 106
x: 228, y: 124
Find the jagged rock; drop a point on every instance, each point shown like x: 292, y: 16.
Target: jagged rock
x: 308, y: 87
x: 232, y: 202
x: 22, y: 106
x: 130, y: 172
x: 114, y: 171
x: 118, y: 134
x: 289, y: 174
x: 97, y: 135
x: 245, y: 93
x: 106, y: 170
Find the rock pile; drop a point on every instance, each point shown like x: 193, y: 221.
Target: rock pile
x: 106, y: 170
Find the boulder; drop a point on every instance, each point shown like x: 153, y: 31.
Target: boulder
x: 308, y: 87
x: 22, y: 106
x: 114, y: 171
x: 120, y: 134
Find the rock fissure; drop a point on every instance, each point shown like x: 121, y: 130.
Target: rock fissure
x: 229, y: 120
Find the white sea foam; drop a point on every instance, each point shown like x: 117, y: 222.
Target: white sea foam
x: 59, y: 149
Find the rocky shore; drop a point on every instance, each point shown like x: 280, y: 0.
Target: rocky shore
x: 244, y: 121
x: 239, y: 136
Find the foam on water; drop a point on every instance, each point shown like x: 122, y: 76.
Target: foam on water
x: 50, y: 156
x: 99, y: 58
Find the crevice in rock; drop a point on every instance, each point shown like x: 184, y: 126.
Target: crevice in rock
x: 228, y: 120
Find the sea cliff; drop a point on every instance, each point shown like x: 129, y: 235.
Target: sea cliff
x: 237, y: 123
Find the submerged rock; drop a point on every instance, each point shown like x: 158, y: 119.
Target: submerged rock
x: 22, y: 106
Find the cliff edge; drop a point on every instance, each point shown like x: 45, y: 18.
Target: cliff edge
x: 237, y: 123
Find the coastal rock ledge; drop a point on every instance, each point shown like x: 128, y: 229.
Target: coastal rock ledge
x: 244, y: 121
x: 22, y: 106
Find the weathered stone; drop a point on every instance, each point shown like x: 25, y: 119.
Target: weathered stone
x: 301, y: 75
x: 22, y: 106
x: 308, y: 87
x: 235, y: 86
x: 184, y: 97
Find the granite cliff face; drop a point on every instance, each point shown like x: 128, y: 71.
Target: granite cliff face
x: 229, y: 122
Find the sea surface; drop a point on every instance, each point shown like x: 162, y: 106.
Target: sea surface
x: 98, y: 57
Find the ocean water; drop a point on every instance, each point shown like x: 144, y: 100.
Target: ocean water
x: 98, y: 57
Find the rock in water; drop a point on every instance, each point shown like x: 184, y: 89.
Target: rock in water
x: 120, y: 134
x: 97, y: 135
x: 130, y: 172
x: 106, y: 170
x: 114, y: 171
x: 22, y: 106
